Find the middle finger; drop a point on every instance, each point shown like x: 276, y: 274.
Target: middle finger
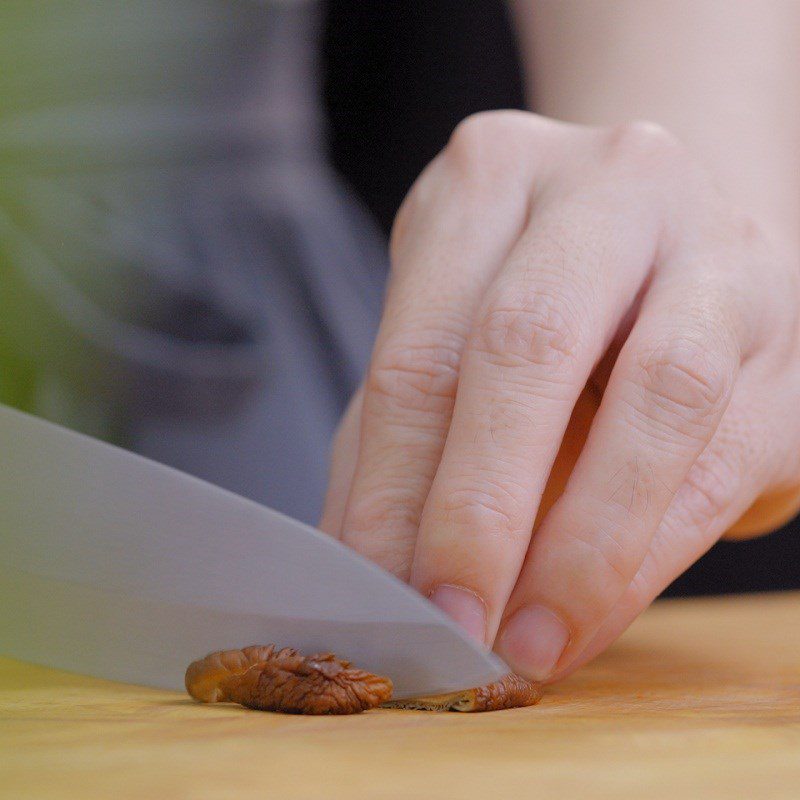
x: 543, y: 326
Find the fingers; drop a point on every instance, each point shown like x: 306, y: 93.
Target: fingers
x: 738, y: 463
x: 542, y: 327
x: 666, y: 396
x: 450, y: 238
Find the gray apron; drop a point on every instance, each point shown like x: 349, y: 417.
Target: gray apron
x: 180, y: 272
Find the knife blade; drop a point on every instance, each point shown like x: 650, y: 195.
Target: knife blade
x: 123, y: 568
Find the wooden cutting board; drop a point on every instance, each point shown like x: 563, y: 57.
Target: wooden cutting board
x: 698, y: 699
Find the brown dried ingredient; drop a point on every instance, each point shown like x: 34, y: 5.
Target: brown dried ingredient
x: 284, y: 680
x: 512, y: 691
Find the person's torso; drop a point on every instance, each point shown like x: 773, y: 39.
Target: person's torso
x: 181, y: 271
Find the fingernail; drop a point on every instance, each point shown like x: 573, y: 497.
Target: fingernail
x: 465, y: 607
x: 532, y: 642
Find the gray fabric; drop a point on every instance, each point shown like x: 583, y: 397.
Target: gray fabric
x: 177, y: 262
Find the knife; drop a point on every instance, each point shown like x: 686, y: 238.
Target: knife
x: 123, y: 568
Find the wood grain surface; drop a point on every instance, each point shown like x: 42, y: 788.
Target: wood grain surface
x: 700, y: 699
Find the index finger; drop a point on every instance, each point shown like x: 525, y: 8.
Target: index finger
x: 450, y: 240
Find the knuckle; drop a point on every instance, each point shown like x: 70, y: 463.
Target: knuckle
x: 738, y: 459
x: 603, y: 556
x: 538, y: 327
x: 381, y: 525
x: 477, y: 151
x: 486, y: 508
x: 508, y: 420
x: 479, y: 131
x: 640, y: 140
x: 684, y: 384
x: 381, y: 512
x: 415, y: 376
x: 708, y: 490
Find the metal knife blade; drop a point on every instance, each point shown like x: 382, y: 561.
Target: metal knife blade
x: 120, y: 567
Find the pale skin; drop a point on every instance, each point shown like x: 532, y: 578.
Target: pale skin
x: 655, y: 263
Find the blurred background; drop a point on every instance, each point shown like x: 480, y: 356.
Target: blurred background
x: 194, y: 202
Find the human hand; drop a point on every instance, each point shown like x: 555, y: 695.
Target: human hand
x: 535, y: 266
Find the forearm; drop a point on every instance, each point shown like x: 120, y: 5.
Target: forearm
x: 724, y: 77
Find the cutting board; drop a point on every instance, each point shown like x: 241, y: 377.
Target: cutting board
x: 701, y: 698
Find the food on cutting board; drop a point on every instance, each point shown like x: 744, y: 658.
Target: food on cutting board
x: 271, y: 679
x: 511, y: 691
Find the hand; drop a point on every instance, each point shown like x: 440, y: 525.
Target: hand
x: 537, y: 266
